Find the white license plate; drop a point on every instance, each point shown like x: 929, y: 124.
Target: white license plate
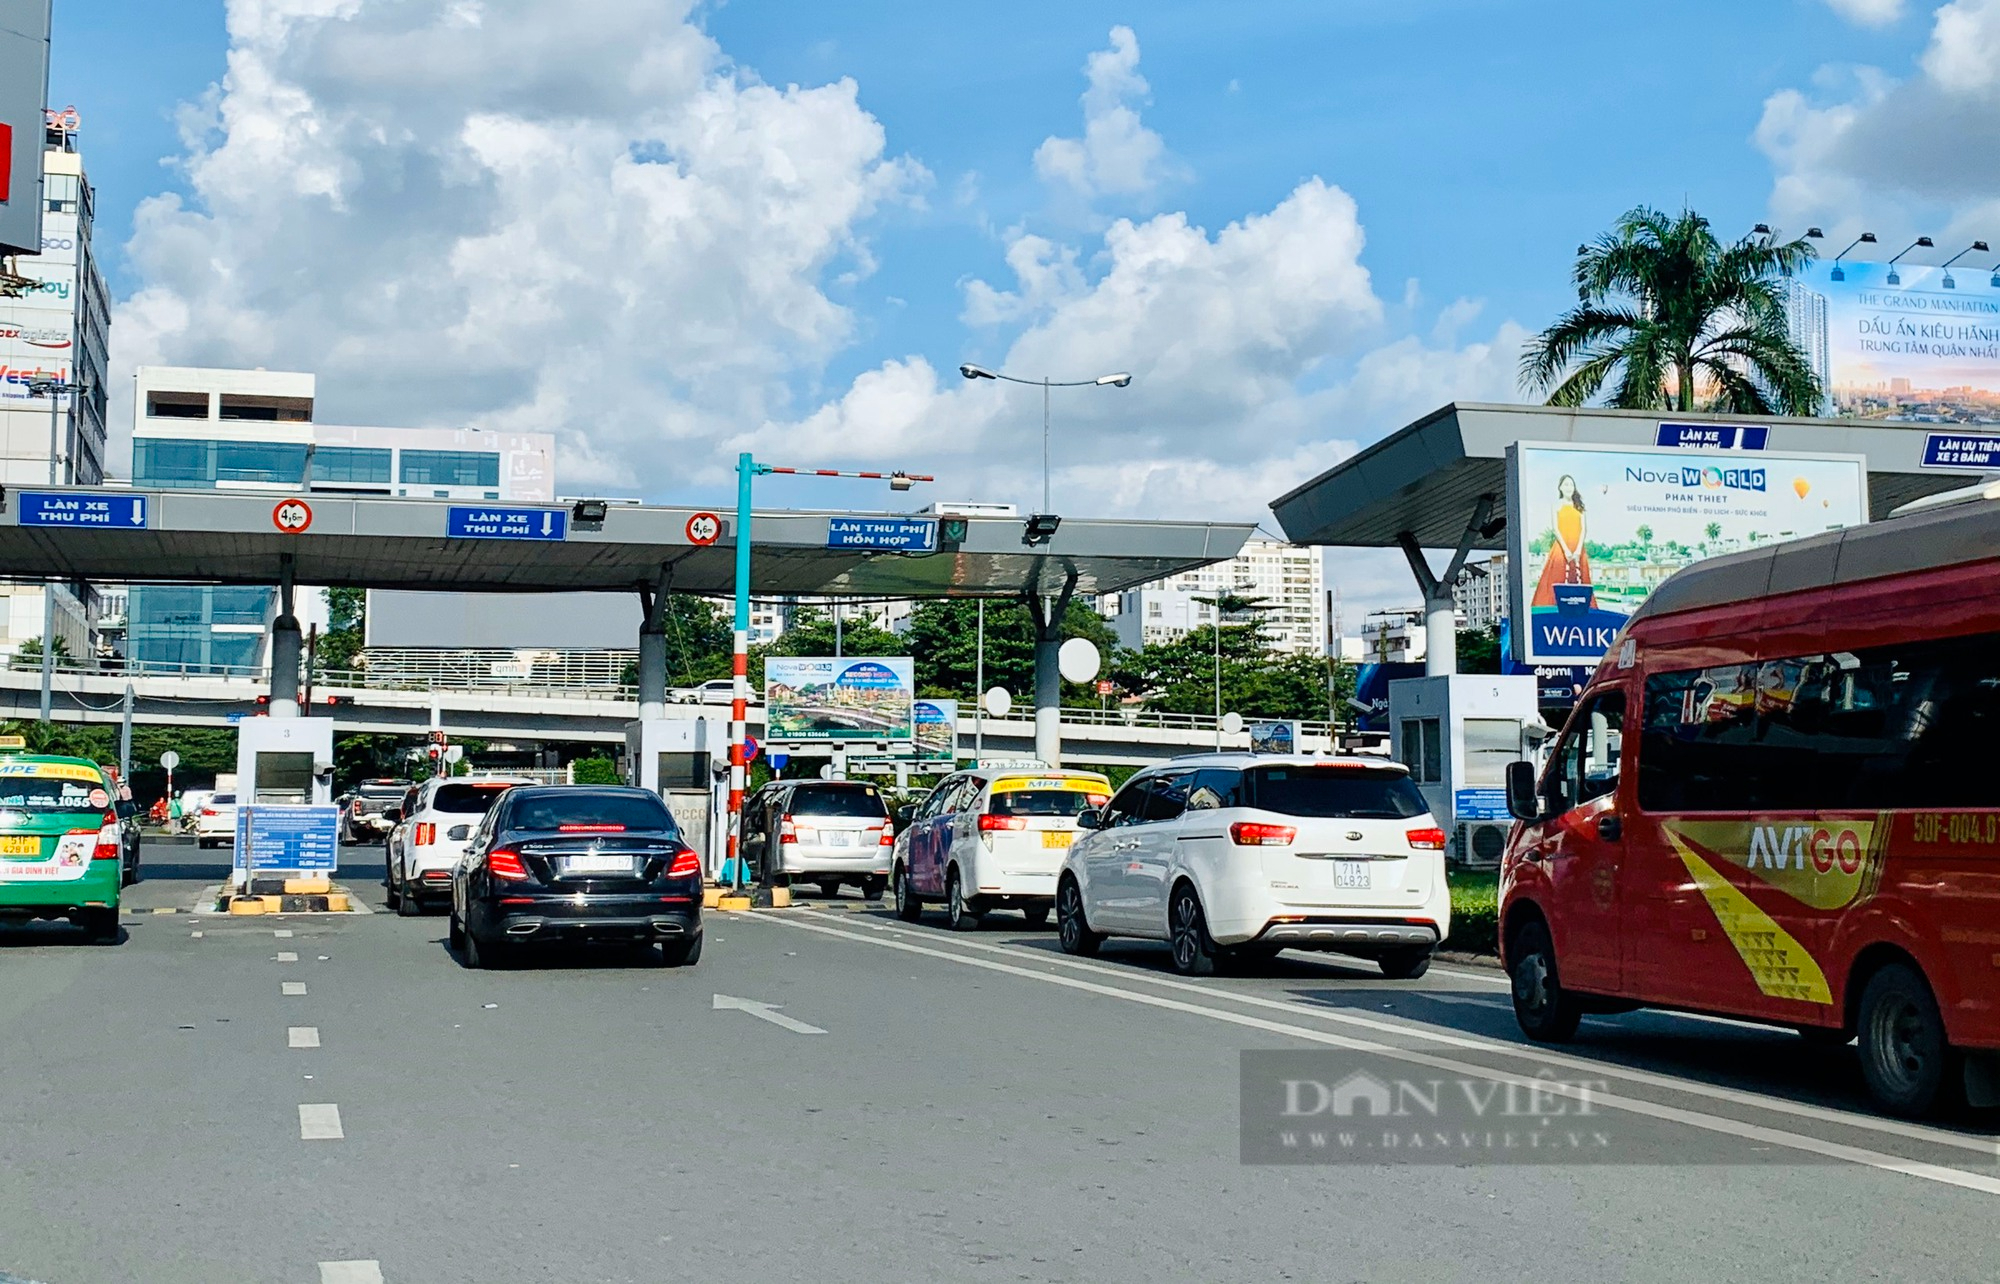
x: 597, y: 864
x: 1356, y: 874
x: 837, y: 837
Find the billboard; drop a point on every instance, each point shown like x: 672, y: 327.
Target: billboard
x: 858, y: 698
x: 24, y: 93
x: 936, y: 726
x: 38, y: 326
x: 1912, y: 343
x: 1595, y: 529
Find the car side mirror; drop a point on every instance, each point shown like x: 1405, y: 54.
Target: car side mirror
x: 1523, y: 802
x: 1090, y: 818
x: 906, y: 814
x: 392, y: 814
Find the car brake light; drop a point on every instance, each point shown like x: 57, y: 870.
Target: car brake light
x: 1251, y: 833
x: 208, y: 811
x: 686, y: 864
x: 1097, y: 800
x: 426, y: 834
x: 502, y: 863
x: 1429, y: 840
x: 590, y: 829
x: 108, y: 846
x: 990, y: 822
x: 888, y: 836
x: 787, y: 831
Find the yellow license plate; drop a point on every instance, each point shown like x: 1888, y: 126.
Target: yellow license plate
x: 20, y: 845
x: 1056, y: 838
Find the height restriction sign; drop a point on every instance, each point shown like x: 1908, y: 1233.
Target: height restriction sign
x: 292, y: 516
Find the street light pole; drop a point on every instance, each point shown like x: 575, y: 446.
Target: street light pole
x: 1119, y: 380
x: 53, y: 390
x: 1045, y: 443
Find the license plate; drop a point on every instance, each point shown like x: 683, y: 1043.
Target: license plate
x: 597, y: 864
x: 20, y: 845
x: 1355, y: 874
x: 1056, y: 837
x: 838, y: 838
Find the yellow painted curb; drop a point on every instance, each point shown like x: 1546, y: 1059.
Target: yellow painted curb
x: 253, y: 905
x: 711, y: 897
x: 781, y: 898
x: 336, y: 903
x: 319, y: 886
x: 733, y: 904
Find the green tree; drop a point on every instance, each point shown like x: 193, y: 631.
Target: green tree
x: 1671, y: 312
x: 699, y: 642
x: 598, y: 769
x: 1713, y: 531
x: 1178, y: 676
x: 812, y: 634
x: 1478, y: 651
x: 29, y: 654
x: 1645, y: 534
x: 346, y: 620
x: 943, y: 638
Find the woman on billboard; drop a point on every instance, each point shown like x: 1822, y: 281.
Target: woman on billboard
x: 1568, y: 561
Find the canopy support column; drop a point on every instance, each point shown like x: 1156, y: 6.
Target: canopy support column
x: 1440, y: 610
x: 653, y: 645
x: 1048, y: 615
x: 287, y: 643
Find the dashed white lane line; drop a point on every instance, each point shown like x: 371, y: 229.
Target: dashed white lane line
x: 350, y: 1273
x: 292, y: 987
x: 302, y: 1036
x: 287, y: 956
x: 195, y: 935
x: 281, y: 933
x: 320, y: 1123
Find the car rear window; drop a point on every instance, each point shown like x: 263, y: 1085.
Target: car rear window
x: 228, y: 800
x: 1359, y: 793
x: 819, y: 800
x: 52, y: 795
x: 1043, y: 802
x: 582, y: 809
x: 467, y: 800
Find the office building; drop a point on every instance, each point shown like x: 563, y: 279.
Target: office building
x: 1286, y: 580
x: 1481, y: 593
x: 1805, y: 318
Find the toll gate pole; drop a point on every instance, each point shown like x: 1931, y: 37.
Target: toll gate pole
x: 653, y: 646
x: 287, y: 643
x: 1048, y: 614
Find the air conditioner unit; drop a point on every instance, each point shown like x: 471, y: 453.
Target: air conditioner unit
x: 1479, y: 844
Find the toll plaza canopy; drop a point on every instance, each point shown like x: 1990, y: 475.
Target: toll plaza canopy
x: 118, y: 535
x: 1426, y: 479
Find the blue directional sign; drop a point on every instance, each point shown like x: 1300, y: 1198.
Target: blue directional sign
x: 1975, y: 452
x: 1479, y: 804
x: 1713, y: 436
x: 505, y: 521
x: 273, y: 836
x: 73, y: 508
x: 883, y: 534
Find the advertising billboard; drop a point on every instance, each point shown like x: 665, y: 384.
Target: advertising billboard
x: 24, y: 92
x: 858, y: 698
x: 936, y: 731
x: 1912, y: 343
x: 1595, y: 529
x: 38, y: 326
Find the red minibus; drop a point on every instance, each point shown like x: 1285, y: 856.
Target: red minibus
x: 1778, y: 800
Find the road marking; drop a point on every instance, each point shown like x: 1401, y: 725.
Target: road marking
x: 195, y: 935
x: 287, y: 956
x: 1458, y: 1000
x: 281, y: 932
x: 350, y: 1273
x: 320, y: 1123
x: 292, y: 987
x: 302, y: 1036
x: 1540, y: 1053
x: 1632, y: 1105
x: 764, y: 1012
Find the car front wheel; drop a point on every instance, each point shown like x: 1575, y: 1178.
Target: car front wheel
x: 1072, y: 928
x: 1905, y: 1059
x: 1546, y: 1012
x: 908, y: 907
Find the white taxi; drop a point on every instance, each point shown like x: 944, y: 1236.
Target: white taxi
x: 991, y: 838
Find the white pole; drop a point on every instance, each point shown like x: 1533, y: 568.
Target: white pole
x: 979, y: 689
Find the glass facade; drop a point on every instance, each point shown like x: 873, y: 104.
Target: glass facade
x: 165, y: 463
x: 175, y: 625
x: 450, y: 468
x: 350, y: 464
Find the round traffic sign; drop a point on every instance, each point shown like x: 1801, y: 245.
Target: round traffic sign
x: 750, y: 747
x: 704, y: 528
x: 170, y: 760
x: 292, y: 516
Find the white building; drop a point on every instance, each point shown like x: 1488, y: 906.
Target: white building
x: 1393, y: 637
x: 1481, y: 593
x: 1287, y: 579
x: 54, y: 332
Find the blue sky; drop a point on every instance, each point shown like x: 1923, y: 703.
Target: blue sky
x: 1479, y: 141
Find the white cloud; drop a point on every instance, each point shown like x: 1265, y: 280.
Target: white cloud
x: 601, y: 228
x: 1868, y: 13
x: 1964, y: 53
x: 1117, y: 155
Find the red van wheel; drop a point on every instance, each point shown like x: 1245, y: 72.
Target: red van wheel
x: 1546, y: 1012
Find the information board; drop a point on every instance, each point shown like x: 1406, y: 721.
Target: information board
x: 272, y: 837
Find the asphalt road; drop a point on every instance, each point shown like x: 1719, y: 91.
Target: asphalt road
x: 978, y: 1107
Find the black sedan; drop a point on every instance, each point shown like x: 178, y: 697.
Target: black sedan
x: 576, y: 863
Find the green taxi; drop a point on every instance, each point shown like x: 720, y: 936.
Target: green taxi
x: 60, y: 855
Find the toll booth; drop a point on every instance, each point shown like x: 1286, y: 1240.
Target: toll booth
x: 286, y: 820
x: 1456, y: 734
x: 685, y: 761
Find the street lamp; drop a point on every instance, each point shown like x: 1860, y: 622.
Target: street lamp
x: 52, y: 388
x: 1950, y: 284
x: 1119, y: 380
x: 1226, y: 604
x: 748, y: 470
x: 1866, y: 238
x: 1923, y: 242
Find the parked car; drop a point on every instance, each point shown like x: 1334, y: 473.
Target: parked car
x: 362, y: 821
x: 432, y: 827
x: 576, y: 862
x: 827, y: 832
x: 992, y: 838
x: 1232, y: 857
x: 215, y: 823
x: 715, y: 691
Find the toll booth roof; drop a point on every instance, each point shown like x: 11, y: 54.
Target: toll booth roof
x: 1427, y: 478
x: 118, y: 535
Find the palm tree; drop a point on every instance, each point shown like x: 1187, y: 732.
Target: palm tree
x: 1670, y: 311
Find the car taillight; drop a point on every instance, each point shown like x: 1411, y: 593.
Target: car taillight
x: 787, y: 831
x: 505, y: 864
x: 108, y: 846
x: 1428, y: 840
x: 1097, y: 800
x: 888, y: 836
x: 1251, y: 833
x: 686, y: 864
x: 427, y: 834
x: 209, y: 811
x: 989, y: 823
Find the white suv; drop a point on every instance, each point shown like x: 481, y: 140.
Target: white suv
x: 1233, y: 857
x: 426, y: 843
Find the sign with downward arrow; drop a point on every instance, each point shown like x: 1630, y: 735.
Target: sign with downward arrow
x: 764, y: 1012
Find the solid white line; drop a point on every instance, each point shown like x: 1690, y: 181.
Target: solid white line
x: 302, y: 1036
x: 292, y: 987
x: 350, y: 1273
x: 1541, y: 1053
x: 320, y: 1123
x: 1633, y: 1105
x: 287, y: 956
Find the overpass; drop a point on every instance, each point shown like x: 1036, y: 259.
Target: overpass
x: 1114, y: 738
